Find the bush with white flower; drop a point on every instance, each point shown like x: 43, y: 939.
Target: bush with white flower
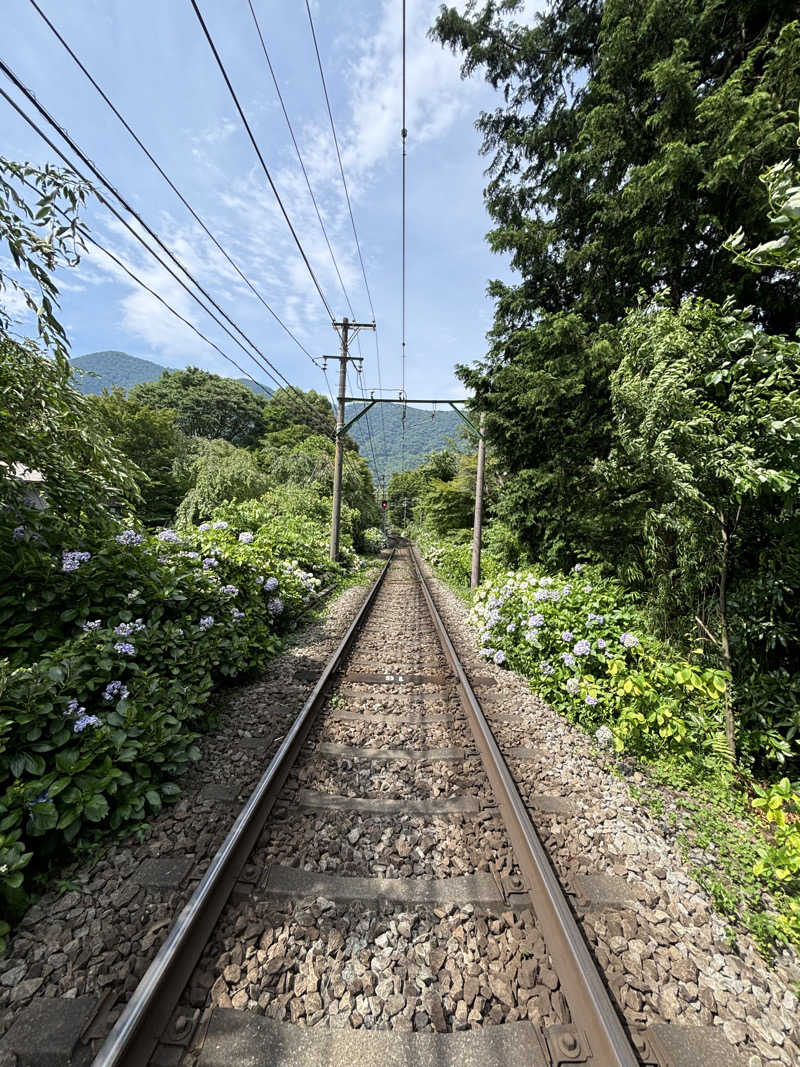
x: 586, y: 650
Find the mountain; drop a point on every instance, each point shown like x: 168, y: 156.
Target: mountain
x: 424, y: 433
x: 118, y: 369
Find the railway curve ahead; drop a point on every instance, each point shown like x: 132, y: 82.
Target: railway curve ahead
x: 382, y: 898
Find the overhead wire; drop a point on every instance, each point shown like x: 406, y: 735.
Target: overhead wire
x: 47, y: 140
x: 167, y: 179
x: 261, y: 160
x: 350, y: 211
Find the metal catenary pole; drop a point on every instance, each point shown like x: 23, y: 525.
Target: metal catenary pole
x: 476, y: 528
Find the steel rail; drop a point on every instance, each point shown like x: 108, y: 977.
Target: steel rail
x: 136, y: 1033
x: 590, y: 1004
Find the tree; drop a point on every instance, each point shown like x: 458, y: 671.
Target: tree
x: 220, y: 473
x: 206, y: 405
x: 628, y: 145
x: 293, y: 414
x: 707, y: 414
x: 151, y: 439
x: 40, y: 237
x: 47, y: 426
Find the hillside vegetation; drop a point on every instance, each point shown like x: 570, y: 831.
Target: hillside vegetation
x: 104, y: 371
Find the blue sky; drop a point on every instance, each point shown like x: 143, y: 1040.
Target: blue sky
x: 152, y: 60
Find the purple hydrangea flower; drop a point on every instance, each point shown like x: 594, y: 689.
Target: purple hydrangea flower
x: 129, y: 537
x: 591, y: 617
x: 230, y: 590
x: 487, y: 652
x: 568, y: 659
x: 209, y: 562
x: 511, y: 627
x: 204, y: 527
x: 18, y: 533
x: 600, y: 644
x: 536, y: 620
x: 270, y: 584
x: 567, y: 636
x: 84, y: 721
x: 168, y: 535
x: 125, y: 648
x: 245, y: 538
x: 578, y: 567
x: 236, y: 615
x: 499, y: 657
x: 94, y: 624
x: 275, y: 605
x: 70, y: 561
x: 591, y: 701
x: 629, y: 640
x: 206, y: 622
x: 115, y: 689
x: 73, y: 708
x: 541, y: 594
x: 219, y: 525
x: 546, y: 667
x: 588, y: 588
x: 124, y: 629
x: 582, y: 648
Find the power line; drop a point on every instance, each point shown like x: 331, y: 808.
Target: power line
x: 349, y: 205
x: 168, y: 180
x: 31, y: 122
x: 300, y: 158
x: 264, y: 166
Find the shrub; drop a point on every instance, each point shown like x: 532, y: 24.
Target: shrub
x: 583, y: 645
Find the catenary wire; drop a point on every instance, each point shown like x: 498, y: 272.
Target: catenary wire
x: 349, y: 207
x: 261, y: 160
x: 168, y: 180
x: 31, y: 122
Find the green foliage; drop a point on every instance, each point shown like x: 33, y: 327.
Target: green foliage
x: 159, y: 617
x: 206, y: 405
x: 397, y: 443
x: 97, y: 372
x: 780, y: 863
x: 49, y: 427
x: 219, y: 473
x: 585, y: 648
x: 40, y: 237
x: 151, y: 439
x: 627, y: 145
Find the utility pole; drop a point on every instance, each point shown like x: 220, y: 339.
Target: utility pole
x: 476, y: 528
x: 349, y: 329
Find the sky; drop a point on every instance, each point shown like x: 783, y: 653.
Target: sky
x: 152, y: 60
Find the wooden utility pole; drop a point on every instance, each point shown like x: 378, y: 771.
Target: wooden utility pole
x: 349, y: 329
x: 477, y: 525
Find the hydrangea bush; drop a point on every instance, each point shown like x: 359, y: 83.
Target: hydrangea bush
x: 112, y: 644
x: 583, y: 645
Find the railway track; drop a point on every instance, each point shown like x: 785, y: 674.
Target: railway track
x: 382, y: 897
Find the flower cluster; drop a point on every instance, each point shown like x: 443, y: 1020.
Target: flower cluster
x: 206, y: 622
x: 92, y: 624
x: 219, y: 525
x: 229, y: 590
x: 129, y: 537
x: 275, y: 605
x: 168, y: 535
x: 246, y: 537
x: 270, y: 584
x: 629, y: 640
x: 116, y: 690
x: 209, y: 562
x: 70, y: 561
x: 84, y: 721
x: 125, y: 629
x: 125, y: 648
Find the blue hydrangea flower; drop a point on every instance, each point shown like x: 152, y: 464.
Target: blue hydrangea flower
x: 582, y: 648
x: 536, y: 620
x: 125, y: 648
x: 541, y: 594
x: 206, y: 622
x: 511, y: 627
x: 129, y: 537
x: 567, y: 635
x: 275, y: 605
x: 70, y: 561
x: 245, y: 537
x: 629, y: 640
x: 115, y: 690
x: 578, y: 568
x: 210, y: 562
x: 94, y: 624
x: 236, y: 614
x: 591, y: 701
x: 18, y: 533
x: 84, y: 721
x: 600, y: 644
x: 73, y: 708
x: 124, y: 629
x: 488, y: 652
x: 591, y: 618
x: 270, y: 584
x: 219, y: 525
x: 230, y: 590
x: 168, y: 535
x: 204, y: 527
x: 499, y: 657
x: 568, y: 659
x: 546, y: 667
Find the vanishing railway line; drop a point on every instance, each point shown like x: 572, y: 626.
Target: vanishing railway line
x: 382, y: 897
